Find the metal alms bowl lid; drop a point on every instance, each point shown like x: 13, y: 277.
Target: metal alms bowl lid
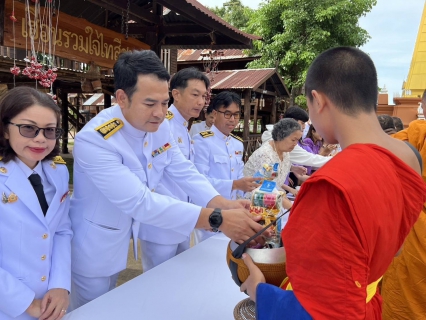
x: 267, y: 256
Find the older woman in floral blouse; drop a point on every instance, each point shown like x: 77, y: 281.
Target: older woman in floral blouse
x: 285, y: 136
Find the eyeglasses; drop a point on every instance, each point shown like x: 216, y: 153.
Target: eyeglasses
x: 228, y: 114
x: 32, y: 131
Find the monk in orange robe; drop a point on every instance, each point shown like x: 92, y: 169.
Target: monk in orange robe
x: 351, y: 217
x: 404, y: 284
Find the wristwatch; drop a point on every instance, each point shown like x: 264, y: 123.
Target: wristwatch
x: 215, y: 219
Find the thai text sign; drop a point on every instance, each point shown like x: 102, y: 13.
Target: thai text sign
x: 74, y: 38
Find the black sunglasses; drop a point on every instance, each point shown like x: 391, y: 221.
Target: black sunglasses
x: 32, y: 131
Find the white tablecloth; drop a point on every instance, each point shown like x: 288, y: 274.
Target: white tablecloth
x: 195, y: 285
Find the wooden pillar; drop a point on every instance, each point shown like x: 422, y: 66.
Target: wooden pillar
x: 256, y: 105
x: 64, y: 109
x: 107, y: 100
x: 247, y: 113
x: 2, y: 14
x: 274, y: 111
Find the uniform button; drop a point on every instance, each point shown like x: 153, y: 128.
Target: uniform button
x: 145, y: 144
x: 149, y: 165
x: 185, y: 124
x: 232, y: 169
x: 43, y: 257
x: 45, y: 236
x: 152, y: 190
x: 227, y: 143
x: 230, y: 155
x: 43, y: 278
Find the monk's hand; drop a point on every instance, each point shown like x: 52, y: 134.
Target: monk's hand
x: 239, y: 225
x: 256, y: 276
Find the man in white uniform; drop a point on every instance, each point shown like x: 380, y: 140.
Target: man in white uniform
x: 189, y: 89
x: 120, y: 157
x: 219, y: 154
x: 198, y: 126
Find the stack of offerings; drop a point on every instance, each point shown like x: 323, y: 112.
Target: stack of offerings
x: 266, y: 201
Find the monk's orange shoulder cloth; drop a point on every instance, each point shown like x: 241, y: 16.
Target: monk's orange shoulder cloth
x: 347, y: 223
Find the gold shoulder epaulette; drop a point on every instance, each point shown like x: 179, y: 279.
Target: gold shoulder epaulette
x: 169, y: 115
x: 236, y: 137
x: 206, y: 134
x: 110, y: 127
x: 59, y: 160
x: 196, y: 121
x: 1, y: 158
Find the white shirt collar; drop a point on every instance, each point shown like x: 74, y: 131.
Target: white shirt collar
x: 128, y: 128
x: 219, y: 134
x: 27, y: 171
x: 178, y: 116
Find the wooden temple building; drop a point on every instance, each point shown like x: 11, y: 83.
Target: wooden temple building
x: 89, y: 36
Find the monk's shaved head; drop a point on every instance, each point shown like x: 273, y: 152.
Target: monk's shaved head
x: 347, y: 76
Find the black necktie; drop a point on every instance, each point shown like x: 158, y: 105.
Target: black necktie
x: 38, y: 188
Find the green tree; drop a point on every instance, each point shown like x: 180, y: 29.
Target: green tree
x: 294, y: 32
x: 235, y: 13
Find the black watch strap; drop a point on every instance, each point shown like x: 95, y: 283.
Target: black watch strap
x: 215, y: 219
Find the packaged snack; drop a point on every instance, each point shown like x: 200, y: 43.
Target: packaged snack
x: 267, y: 171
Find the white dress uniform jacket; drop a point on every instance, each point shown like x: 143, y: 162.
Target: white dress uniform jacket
x: 198, y: 127
x: 35, y: 250
x: 116, y: 170
x: 220, y: 159
x: 169, y: 186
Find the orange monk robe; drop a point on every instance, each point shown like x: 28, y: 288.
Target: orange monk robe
x: 347, y: 223
x: 416, y: 135
x: 404, y: 284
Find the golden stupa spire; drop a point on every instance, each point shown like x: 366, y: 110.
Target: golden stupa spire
x: 416, y: 80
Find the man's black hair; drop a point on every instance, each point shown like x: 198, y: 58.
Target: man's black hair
x: 209, y: 109
x: 296, y: 113
x: 181, y: 78
x: 225, y: 99
x: 398, y: 123
x: 131, y: 64
x: 347, y: 76
x: 386, y: 122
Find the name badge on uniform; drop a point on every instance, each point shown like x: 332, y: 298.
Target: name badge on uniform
x: 238, y: 153
x: 160, y: 150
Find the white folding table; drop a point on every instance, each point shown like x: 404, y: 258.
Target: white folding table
x: 195, y: 285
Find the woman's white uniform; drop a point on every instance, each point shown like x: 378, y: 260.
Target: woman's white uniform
x: 35, y: 250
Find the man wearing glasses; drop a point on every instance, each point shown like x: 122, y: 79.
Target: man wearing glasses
x: 219, y: 154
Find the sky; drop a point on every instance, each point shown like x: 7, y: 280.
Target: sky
x: 393, y: 26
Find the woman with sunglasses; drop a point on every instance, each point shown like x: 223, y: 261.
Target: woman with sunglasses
x: 35, y: 230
